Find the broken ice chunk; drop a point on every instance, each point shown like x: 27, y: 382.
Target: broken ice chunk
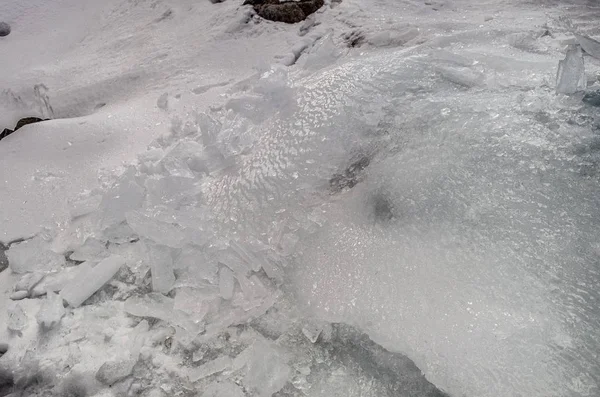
x: 28, y: 281
x: 177, y: 160
x: 125, y: 195
x: 51, y: 311
x: 192, y: 301
x: 462, y: 76
x: 288, y: 244
x: 170, y: 190
x: 160, y: 259
x: 247, y: 255
x: 219, y: 364
x: 33, y: 255
x: 571, y: 72
x: 223, y: 389
x: 91, y: 250
x: 232, y: 261
x: 85, y: 284
x: 193, y: 260
x: 147, y: 225
x: 158, y: 306
x: 267, y: 372
x: 252, y: 287
x: 84, y: 205
x: 226, y: 283
x: 56, y: 281
x: 589, y: 45
x: 112, y: 372
x: 17, y: 318
x: 312, y: 331
x: 19, y: 295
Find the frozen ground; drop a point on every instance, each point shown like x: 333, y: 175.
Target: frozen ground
x: 321, y: 206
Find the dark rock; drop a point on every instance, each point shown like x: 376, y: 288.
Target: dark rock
x: 310, y: 6
x: 592, y: 98
x: 288, y: 12
x: 3, y: 258
x: 7, y: 382
x: 21, y: 123
x: 350, y: 177
x: 4, y: 29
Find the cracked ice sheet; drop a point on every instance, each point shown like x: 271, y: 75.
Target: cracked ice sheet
x: 425, y: 355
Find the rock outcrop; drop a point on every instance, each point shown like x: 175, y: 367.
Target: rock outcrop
x: 288, y: 12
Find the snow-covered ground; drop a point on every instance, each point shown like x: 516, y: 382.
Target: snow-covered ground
x: 228, y: 206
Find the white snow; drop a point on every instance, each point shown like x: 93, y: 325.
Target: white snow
x: 214, y: 190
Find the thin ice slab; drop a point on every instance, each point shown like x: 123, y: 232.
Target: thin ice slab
x: 90, y: 280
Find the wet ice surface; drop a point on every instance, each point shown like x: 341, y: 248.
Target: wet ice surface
x: 441, y: 199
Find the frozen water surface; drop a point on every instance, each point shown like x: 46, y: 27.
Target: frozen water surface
x: 404, y: 210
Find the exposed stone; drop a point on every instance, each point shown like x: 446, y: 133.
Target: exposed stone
x: 4, y: 29
x: 21, y: 123
x: 288, y: 12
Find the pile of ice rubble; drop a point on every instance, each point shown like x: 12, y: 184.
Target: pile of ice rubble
x: 151, y: 296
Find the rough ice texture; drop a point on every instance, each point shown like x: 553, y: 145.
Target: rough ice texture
x: 158, y: 306
x: 148, y: 225
x: 112, y: 372
x: 33, y: 255
x: 51, y: 311
x: 571, y: 72
x: 161, y: 267
x: 223, y: 389
x: 212, y: 367
x: 17, y: 318
x: 125, y: 195
x: 226, y: 283
x: 267, y: 372
x: 88, y: 281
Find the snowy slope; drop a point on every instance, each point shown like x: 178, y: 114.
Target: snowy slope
x: 403, y: 167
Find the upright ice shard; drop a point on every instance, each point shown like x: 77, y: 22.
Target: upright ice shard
x: 571, y: 72
x: 161, y: 267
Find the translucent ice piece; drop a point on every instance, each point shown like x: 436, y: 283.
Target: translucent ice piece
x: 158, y: 306
x: 223, y: 389
x: 161, y: 267
x: 589, y: 45
x: 170, y: 190
x: 91, y: 250
x: 51, y: 311
x: 197, y: 262
x: 246, y: 254
x: 146, y: 225
x: 115, y: 371
x: 252, y: 287
x: 233, y: 261
x: 17, y: 318
x: 571, y: 72
x: 267, y: 370
x: 219, y: 364
x: 33, y: 255
x: 125, y: 195
x: 86, y: 283
x: 226, y: 283
x: 193, y: 301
